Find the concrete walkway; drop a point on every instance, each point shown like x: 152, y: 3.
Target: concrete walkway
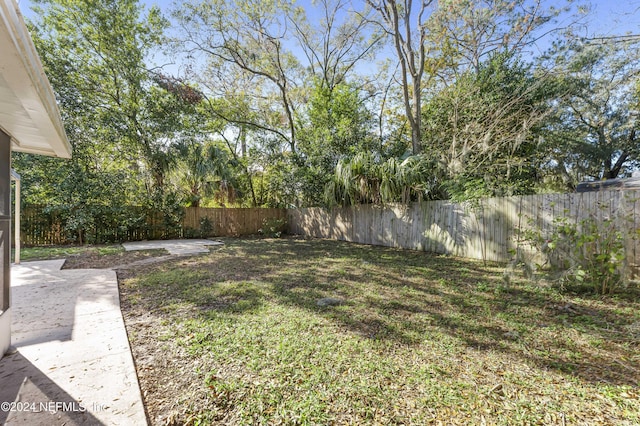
x: 175, y: 247
x: 72, y: 363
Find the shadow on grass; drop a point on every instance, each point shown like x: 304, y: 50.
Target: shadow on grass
x: 409, y: 298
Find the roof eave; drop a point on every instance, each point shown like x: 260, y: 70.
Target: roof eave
x: 21, y: 69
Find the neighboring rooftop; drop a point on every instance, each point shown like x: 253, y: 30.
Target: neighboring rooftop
x: 609, y: 184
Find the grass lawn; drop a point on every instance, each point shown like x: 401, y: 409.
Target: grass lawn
x: 238, y: 337
x: 60, y: 252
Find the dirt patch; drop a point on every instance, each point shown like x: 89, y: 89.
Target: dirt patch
x: 171, y: 385
x: 93, y: 259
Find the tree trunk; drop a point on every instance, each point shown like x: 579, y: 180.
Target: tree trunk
x: 416, y: 143
x: 615, y: 170
x: 243, y: 141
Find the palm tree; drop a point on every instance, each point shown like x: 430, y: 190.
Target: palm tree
x: 203, y: 168
x: 363, y: 179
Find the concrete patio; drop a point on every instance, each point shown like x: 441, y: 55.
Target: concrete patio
x: 70, y: 362
x: 174, y: 247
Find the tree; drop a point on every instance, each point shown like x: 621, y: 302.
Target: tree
x: 472, y: 31
x: 202, y: 170
x: 410, y: 43
x: 449, y: 37
x: 336, y: 43
x: 251, y: 80
x: 119, y: 117
x: 103, y: 46
x: 593, y: 135
x: 246, y: 37
x: 336, y: 126
x: 486, y: 104
x: 482, y: 128
x: 227, y: 115
x: 363, y: 179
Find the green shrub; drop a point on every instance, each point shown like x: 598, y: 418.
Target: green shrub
x: 206, y: 227
x: 190, y: 233
x: 587, y: 255
x: 273, y: 228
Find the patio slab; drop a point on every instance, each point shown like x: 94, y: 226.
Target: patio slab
x: 175, y: 247
x: 71, y: 363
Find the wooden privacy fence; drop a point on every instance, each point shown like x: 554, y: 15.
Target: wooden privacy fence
x: 47, y: 226
x: 38, y: 227
x: 41, y: 225
x: 486, y: 229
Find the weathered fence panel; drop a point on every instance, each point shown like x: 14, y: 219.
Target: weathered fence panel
x: 485, y: 229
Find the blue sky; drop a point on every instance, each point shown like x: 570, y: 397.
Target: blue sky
x: 616, y: 17
x: 609, y: 17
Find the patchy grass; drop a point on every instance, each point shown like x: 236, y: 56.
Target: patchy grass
x: 237, y: 337
x: 88, y: 256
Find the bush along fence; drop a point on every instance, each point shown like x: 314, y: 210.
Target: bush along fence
x: 42, y: 225
x: 494, y: 229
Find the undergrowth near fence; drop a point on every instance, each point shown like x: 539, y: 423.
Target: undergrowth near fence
x: 205, y: 229
x: 584, y: 255
x: 273, y: 228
